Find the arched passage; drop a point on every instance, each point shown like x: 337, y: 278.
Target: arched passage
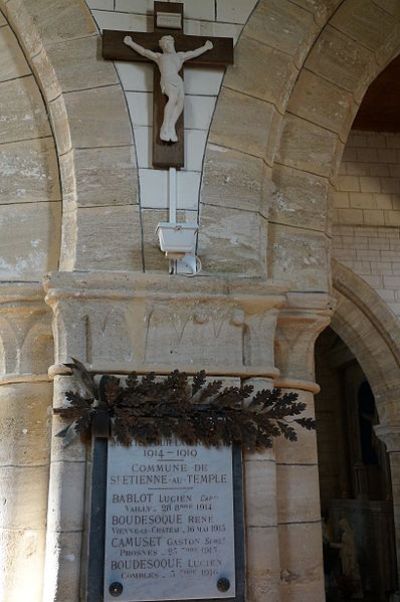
x: 371, y: 332
x: 354, y: 475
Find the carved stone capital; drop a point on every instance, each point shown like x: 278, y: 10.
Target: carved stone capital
x: 124, y: 322
x: 26, y: 343
x: 300, y: 321
x: 390, y: 435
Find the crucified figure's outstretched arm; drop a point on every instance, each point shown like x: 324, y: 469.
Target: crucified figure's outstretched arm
x: 192, y: 54
x: 149, y: 54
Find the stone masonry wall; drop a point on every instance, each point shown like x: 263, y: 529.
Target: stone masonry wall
x: 366, y: 206
x: 30, y: 197
x: 203, y: 17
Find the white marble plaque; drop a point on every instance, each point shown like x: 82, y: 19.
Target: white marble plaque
x: 169, y: 522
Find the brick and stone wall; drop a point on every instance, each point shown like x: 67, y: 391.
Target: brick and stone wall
x: 366, y: 212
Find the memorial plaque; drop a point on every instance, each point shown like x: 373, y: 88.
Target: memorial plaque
x: 170, y: 523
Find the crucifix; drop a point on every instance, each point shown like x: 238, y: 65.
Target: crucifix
x: 169, y: 49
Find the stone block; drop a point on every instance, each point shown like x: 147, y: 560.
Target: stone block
x: 12, y: 61
x: 154, y: 258
x: 299, y: 592
x: 25, y: 423
x: 323, y: 103
x: 287, y: 27
x: 299, y: 256
x: 342, y: 61
x: 390, y: 6
x: 76, y: 450
x: 68, y: 237
x: 140, y: 6
x: 195, y: 146
x: 263, y: 553
x: 99, y: 177
x: 320, y: 10
x: 153, y: 188
x: 29, y: 240
x: 66, y: 502
x: 22, y: 564
x: 23, y: 492
x: 122, y: 21
x: 138, y: 77
x: 260, y: 493
x: 304, y: 450
x: 246, y: 124
x: 188, y: 190
x: 300, y: 199
x: 298, y: 493
x: 373, y: 217
x: 60, y: 124
x: 140, y: 108
x: 199, y: 111
x: 109, y: 238
x: 23, y: 114
x: 234, y: 12
x: 307, y: 147
x: 45, y: 21
x: 202, y: 80
x: 218, y: 29
x: 193, y: 8
x: 232, y: 241
x: 63, y: 556
x: 301, y: 554
x: 78, y: 64
x: 232, y: 179
x: 101, y: 4
x: 262, y: 72
x: 260, y: 589
x: 97, y: 118
x: 144, y: 146
x: 364, y: 21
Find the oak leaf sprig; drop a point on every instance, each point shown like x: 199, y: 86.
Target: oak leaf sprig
x: 149, y: 409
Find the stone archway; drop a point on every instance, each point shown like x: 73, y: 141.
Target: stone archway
x: 92, y: 130
x: 372, y: 333
x: 265, y: 189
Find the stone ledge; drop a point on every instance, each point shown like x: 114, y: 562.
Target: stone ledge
x: 121, y: 368
x: 129, y: 285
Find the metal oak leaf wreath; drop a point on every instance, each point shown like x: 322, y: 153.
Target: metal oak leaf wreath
x: 194, y: 410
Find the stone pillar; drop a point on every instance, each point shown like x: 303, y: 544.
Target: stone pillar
x: 26, y: 351
x: 261, y: 517
x: 124, y: 322
x: 390, y: 435
x: 298, y: 497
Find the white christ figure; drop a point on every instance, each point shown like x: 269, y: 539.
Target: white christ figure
x: 170, y: 63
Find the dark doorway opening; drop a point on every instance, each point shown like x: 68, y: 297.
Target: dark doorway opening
x: 355, y: 484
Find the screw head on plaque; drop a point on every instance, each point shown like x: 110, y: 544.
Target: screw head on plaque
x: 116, y: 589
x: 223, y: 584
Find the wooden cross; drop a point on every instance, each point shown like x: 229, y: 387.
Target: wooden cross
x: 168, y: 20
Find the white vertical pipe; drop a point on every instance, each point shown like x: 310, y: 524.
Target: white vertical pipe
x: 173, y: 193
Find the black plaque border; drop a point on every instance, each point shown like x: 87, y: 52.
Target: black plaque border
x: 94, y: 582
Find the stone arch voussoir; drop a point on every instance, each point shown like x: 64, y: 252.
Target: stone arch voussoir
x: 278, y: 165
x: 372, y: 333
x: 92, y: 130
